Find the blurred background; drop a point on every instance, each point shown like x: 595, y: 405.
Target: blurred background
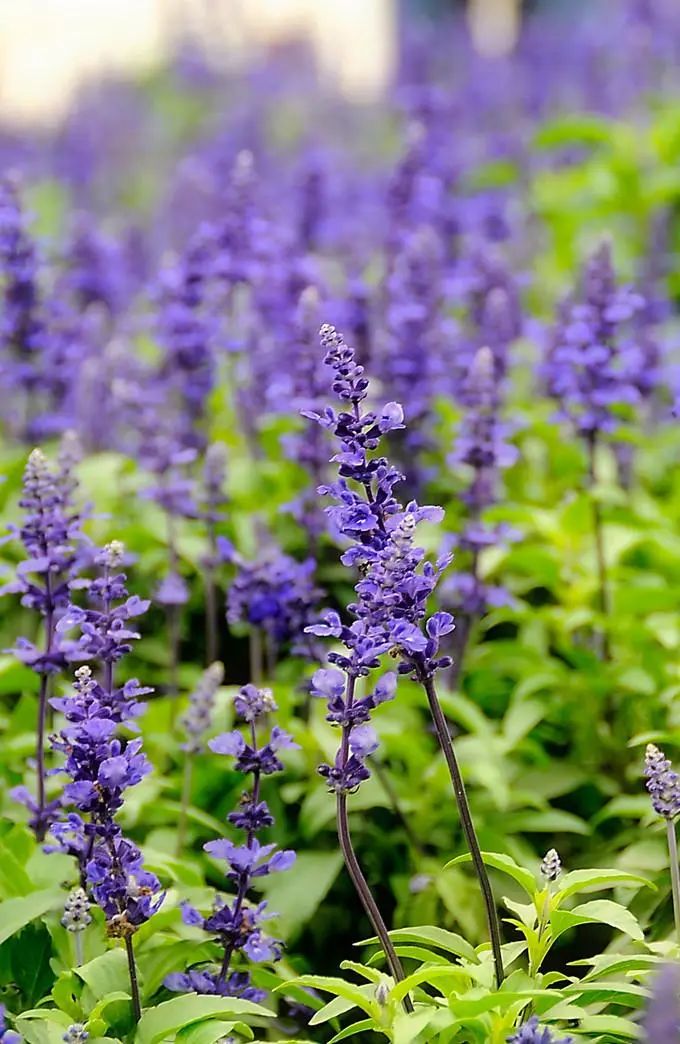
x: 48, y: 48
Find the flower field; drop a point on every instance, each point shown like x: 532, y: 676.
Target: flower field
x: 340, y: 687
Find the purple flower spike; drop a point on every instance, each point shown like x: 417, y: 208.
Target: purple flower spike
x: 663, y: 783
x: 237, y: 924
x: 661, y: 1020
x: 532, y: 1033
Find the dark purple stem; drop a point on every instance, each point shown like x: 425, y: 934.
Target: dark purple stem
x: 446, y: 744
x: 355, y: 872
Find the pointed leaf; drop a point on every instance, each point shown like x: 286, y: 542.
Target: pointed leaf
x: 166, y: 1019
x: 500, y: 861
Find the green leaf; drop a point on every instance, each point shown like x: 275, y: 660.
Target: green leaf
x: 581, y: 880
x: 296, y: 897
x: 13, y: 878
x: 16, y: 913
x: 350, y: 1031
x: 372, y: 974
x: 332, y: 1010
x: 616, y: 916
x: 358, y: 996
x: 611, y: 1024
x: 210, y: 1030
x: 430, y: 934
x: 507, y: 864
x: 158, y: 1023
x: 601, y: 911
x: 106, y: 974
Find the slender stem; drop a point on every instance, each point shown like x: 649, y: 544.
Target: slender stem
x: 245, y: 874
x: 185, y: 801
x: 675, y: 873
x: 255, y: 653
x: 446, y: 745
x: 78, y: 945
x: 173, y: 618
x: 41, y: 825
x: 367, y: 901
x: 352, y: 863
x: 210, y: 616
x: 134, y: 984
x: 598, y: 533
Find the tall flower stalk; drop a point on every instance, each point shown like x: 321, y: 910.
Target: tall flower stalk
x: 51, y: 537
x: 100, y: 763
x: 237, y: 924
x: 592, y: 373
x: 483, y: 448
x: 392, y: 594
x: 663, y: 784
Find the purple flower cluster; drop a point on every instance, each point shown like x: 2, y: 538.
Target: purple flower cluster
x: 532, y: 1033
x: 22, y: 330
x: 55, y: 551
x: 663, y: 783
x: 196, y: 721
x: 585, y: 369
x: 51, y: 536
x: 105, y: 631
x: 482, y: 447
x: 101, y: 766
x: 274, y: 593
x: 238, y: 923
x: 396, y: 579
x: 100, y: 763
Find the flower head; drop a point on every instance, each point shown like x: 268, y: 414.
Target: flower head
x: 663, y: 783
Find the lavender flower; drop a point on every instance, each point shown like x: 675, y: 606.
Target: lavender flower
x: 396, y: 582
x: 101, y: 764
x: 51, y: 537
x: 274, y: 593
x: 482, y: 447
x: 390, y: 609
x: 661, y: 1020
x: 22, y: 331
x: 7, y: 1035
x: 583, y: 369
x: 198, y: 716
x: 663, y: 783
x: 238, y: 924
x: 196, y: 722
x: 76, y: 1034
x: 531, y: 1033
